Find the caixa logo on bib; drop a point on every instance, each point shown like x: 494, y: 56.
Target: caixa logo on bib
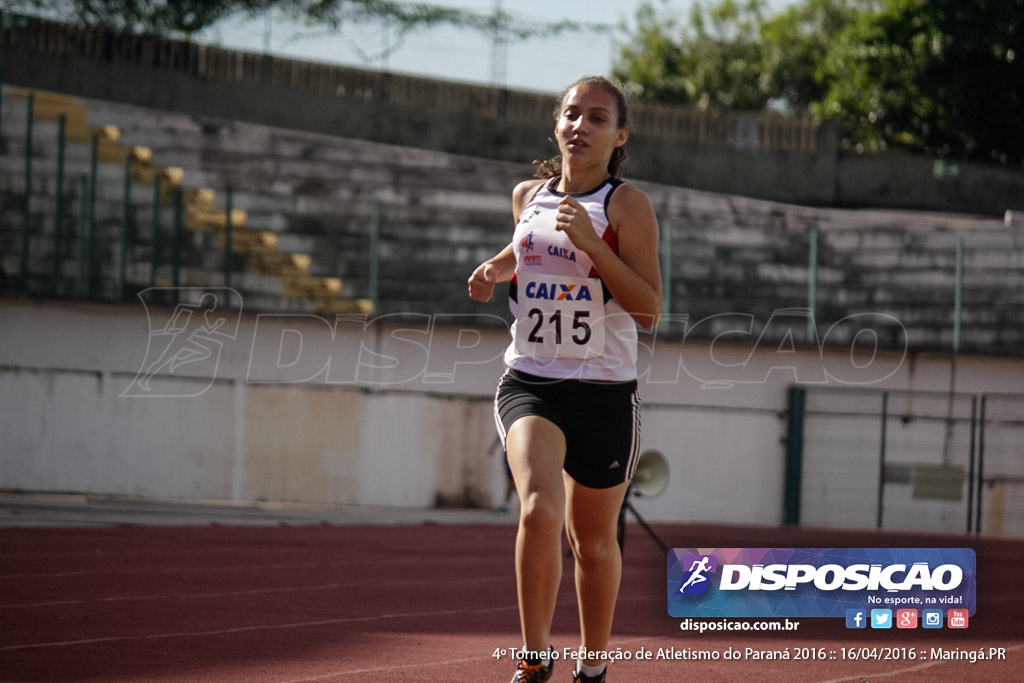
x: 558, y: 291
x: 817, y: 582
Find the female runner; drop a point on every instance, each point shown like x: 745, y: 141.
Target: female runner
x: 583, y: 267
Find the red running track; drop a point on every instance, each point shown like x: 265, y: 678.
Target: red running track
x: 304, y: 604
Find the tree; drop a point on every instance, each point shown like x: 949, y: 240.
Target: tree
x: 732, y: 54
x: 940, y: 77
x: 185, y: 18
x: 706, y: 62
x: 796, y: 42
x: 172, y: 18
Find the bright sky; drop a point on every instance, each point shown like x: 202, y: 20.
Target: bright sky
x: 544, y: 65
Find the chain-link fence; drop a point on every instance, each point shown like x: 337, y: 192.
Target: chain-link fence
x: 915, y: 460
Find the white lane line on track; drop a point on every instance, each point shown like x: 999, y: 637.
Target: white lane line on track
x: 263, y: 627
x: 389, y: 562
x: 254, y: 591
x: 269, y: 627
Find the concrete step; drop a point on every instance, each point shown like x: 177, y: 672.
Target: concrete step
x: 307, y: 287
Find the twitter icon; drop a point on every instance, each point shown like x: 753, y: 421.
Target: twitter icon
x: 881, y: 618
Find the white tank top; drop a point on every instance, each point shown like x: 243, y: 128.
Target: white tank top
x: 566, y: 325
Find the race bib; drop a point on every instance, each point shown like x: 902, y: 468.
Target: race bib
x: 559, y: 316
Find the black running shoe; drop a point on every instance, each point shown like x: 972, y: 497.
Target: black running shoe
x: 578, y: 677
x: 533, y: 673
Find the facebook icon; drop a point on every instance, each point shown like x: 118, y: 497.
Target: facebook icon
x: 856, y: 618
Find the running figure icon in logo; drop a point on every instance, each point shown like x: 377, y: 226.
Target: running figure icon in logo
x: 696, y: 582
x: 193, y: 336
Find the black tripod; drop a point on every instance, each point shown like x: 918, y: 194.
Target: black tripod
x: 626, y: 505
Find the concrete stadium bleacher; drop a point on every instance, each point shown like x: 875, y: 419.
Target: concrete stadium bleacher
x: 306, y: 202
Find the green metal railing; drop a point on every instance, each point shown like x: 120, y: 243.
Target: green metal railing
x: 104, y: 249
x: 974, y: 470
x: 90, y: 252
x: 97, y: 251
x: 58, y: 205
x: 812, y: 286
x: 26, y: 219
x: 812, y: 290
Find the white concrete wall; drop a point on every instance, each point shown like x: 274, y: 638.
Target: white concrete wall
x: 300, y: 408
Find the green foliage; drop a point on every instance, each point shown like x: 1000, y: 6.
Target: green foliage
x: 164, y: 17
x: 654, y: 63
x: 796, y: 41
x: 733, y: 55
x: 405, y: 17
x: 707, y: 62
x: 175, y: 18
x: 940, y: 77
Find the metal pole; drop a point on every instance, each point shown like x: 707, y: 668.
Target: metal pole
x: 83, y: 227
x: 26, y: 219
x: 958, y: 300
x: 59, y: 208
x: 970, y: 467
x: 812, y: 286
x: 947, y: 450
x: 981, y: 465
x: 227, y: 240
x: 154, y: 256
x: 91, y: 215
x: 796, y: 404
x: 178, y: 236
x: 125, y: 227
x: 375, y: 255
x: 2, y: 229
x: 881, y: 458
x: 666, y: 274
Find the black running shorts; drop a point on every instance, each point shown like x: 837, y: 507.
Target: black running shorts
x: 600, y: 420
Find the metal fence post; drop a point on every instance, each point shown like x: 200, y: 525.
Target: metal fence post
x: 812, y: 286
x: 3, y: 150
x: 970, y: 465
x: 796, y: 402
x: 981, y: 465
x: 90, y: 220
x: 125, y: 227
x: 375, y: 255
x: 227, y: 240
x: 26, y: 214
x: 958, y: 296
x: 176, y: 247
x: 881, y: 459
x: 59, y: 208
x: 154, y: 255
x: 666, y: 274
x: 81, y: 272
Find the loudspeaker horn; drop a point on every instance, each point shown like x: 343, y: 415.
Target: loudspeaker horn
x: 651, y: 476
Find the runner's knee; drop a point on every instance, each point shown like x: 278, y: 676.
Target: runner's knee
x: 540, y: 513
x: 593, y: 550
